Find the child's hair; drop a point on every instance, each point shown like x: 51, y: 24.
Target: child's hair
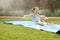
x: 34, y: 8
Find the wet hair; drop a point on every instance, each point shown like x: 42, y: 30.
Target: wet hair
x: 34, y: 8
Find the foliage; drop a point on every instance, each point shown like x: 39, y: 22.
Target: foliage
x: 53, y: 4
x: 50, y: 14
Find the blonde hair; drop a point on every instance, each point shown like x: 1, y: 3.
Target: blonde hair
x: 35, y: 8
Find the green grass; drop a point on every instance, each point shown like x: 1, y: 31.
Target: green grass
x: 13, y: 32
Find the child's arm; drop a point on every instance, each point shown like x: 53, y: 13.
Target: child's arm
x: 30, y: 15
x: 44, y: 18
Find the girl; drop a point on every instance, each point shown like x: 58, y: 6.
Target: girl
x: 37, y: 18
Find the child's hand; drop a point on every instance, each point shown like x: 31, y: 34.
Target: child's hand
x: 42, y: 17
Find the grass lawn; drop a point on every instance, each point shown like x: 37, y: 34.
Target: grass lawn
x: 12, y: 32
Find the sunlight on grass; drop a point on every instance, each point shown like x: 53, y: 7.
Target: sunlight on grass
x: 13, y: 32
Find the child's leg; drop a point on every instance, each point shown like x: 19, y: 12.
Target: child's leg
x: 40, y: 23
x: 43, y: 23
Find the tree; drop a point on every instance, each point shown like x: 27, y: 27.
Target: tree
x: 53, y: 6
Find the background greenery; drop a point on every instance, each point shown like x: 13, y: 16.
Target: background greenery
x: 20, y: 8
